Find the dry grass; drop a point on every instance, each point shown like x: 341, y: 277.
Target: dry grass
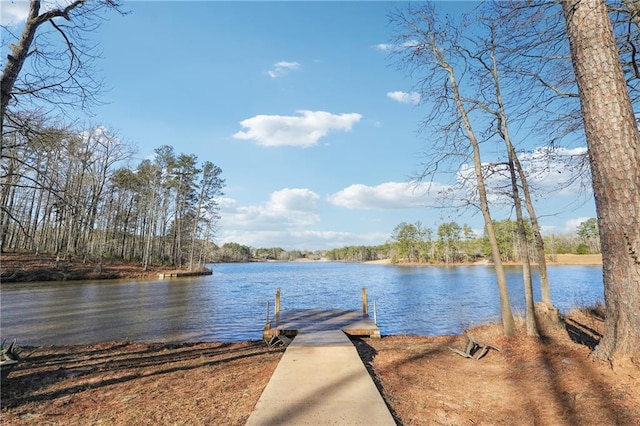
x: 530, y: 381
x: 141, y: 384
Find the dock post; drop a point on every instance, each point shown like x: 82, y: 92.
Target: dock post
x: 277, y: 312
x: 375, y: 313
x: 365, y: 308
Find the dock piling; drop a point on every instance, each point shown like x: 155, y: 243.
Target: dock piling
x: 365, y: 307
x: 375, y: 313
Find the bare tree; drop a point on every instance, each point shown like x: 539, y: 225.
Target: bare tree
x: 61, y: 77
x: 538, y: 53
x: 614, y: 151
x: 430, y: 48
x: 486, y: 56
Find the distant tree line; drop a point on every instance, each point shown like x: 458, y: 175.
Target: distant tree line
x: 359, y: 253
x: 413, y: 243
x: 68, y: 193
x: 455, y: 243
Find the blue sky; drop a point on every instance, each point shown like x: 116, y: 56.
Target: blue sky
x: 299, y: 103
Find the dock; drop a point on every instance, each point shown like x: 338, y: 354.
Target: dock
x: 320, y: 379
x: 355, y: 323
x: 180, y: 274
x: 290, y: 322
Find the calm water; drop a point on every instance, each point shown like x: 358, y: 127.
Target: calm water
x: 230, y: 305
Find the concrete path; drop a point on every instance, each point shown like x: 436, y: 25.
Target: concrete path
x: 320, y: 380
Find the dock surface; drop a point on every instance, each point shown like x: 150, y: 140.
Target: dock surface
x: 290, y: 322
x: 320, y: 379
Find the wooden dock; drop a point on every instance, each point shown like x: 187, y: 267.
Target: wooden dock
x: 291, y: 322
x: 180, y: 274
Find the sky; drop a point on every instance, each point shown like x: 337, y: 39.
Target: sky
x: 316, y: 129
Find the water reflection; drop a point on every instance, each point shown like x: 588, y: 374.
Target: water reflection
x: 230, y: 304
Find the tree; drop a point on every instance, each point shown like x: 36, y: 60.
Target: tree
x: 613, y: 140
x: 539, y: 56
x: 60, y: 76
x: 487, y: 57
x: 211, y: 185
x: 183, y: 182
x: 588, y: 233
x: 432, y: 47
x: 408, y: 240
x: 449, y: 236
x: 234, y: 252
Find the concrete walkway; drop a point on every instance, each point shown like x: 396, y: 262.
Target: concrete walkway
x: 320, y: 380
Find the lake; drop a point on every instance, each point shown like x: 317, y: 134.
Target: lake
x: 230, y: 304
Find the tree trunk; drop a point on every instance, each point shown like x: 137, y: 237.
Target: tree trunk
x: 545, y: 289
x: 506, y: 314
x: 503, y: 130
x: 15, y: 60
x: 530, y: 311
x: 614, y: 153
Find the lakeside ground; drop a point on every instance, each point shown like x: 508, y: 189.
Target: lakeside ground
x: 530, y: 381
x: 551, y: 381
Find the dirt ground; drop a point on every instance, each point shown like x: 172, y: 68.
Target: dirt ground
x: 527, y: 382
x: 30, y: 267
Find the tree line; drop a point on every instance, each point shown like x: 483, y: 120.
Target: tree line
x: 451, y: 243
x: 68, y: 192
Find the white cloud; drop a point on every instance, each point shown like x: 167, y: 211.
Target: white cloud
x: 561, y: 171
x: 384, y: 47
x: 293, y: 200
x: 571, y: 225
x: 390, y: 195
x: 549, y: 171
x: 282, y: 68
x: 286, y: 209
x: 304, y: 130
x: 284, y: 221
x: 404, y: 97
x: 388, y: 47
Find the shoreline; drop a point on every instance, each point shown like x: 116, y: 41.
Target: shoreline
x: 29, y: 267
x: 560, y: 260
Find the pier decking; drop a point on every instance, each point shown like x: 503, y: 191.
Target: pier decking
x: 293, y: 321
x: 320, y: 379
x: 180, y: 274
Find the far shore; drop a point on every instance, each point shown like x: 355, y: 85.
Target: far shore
x: 558, y: 259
